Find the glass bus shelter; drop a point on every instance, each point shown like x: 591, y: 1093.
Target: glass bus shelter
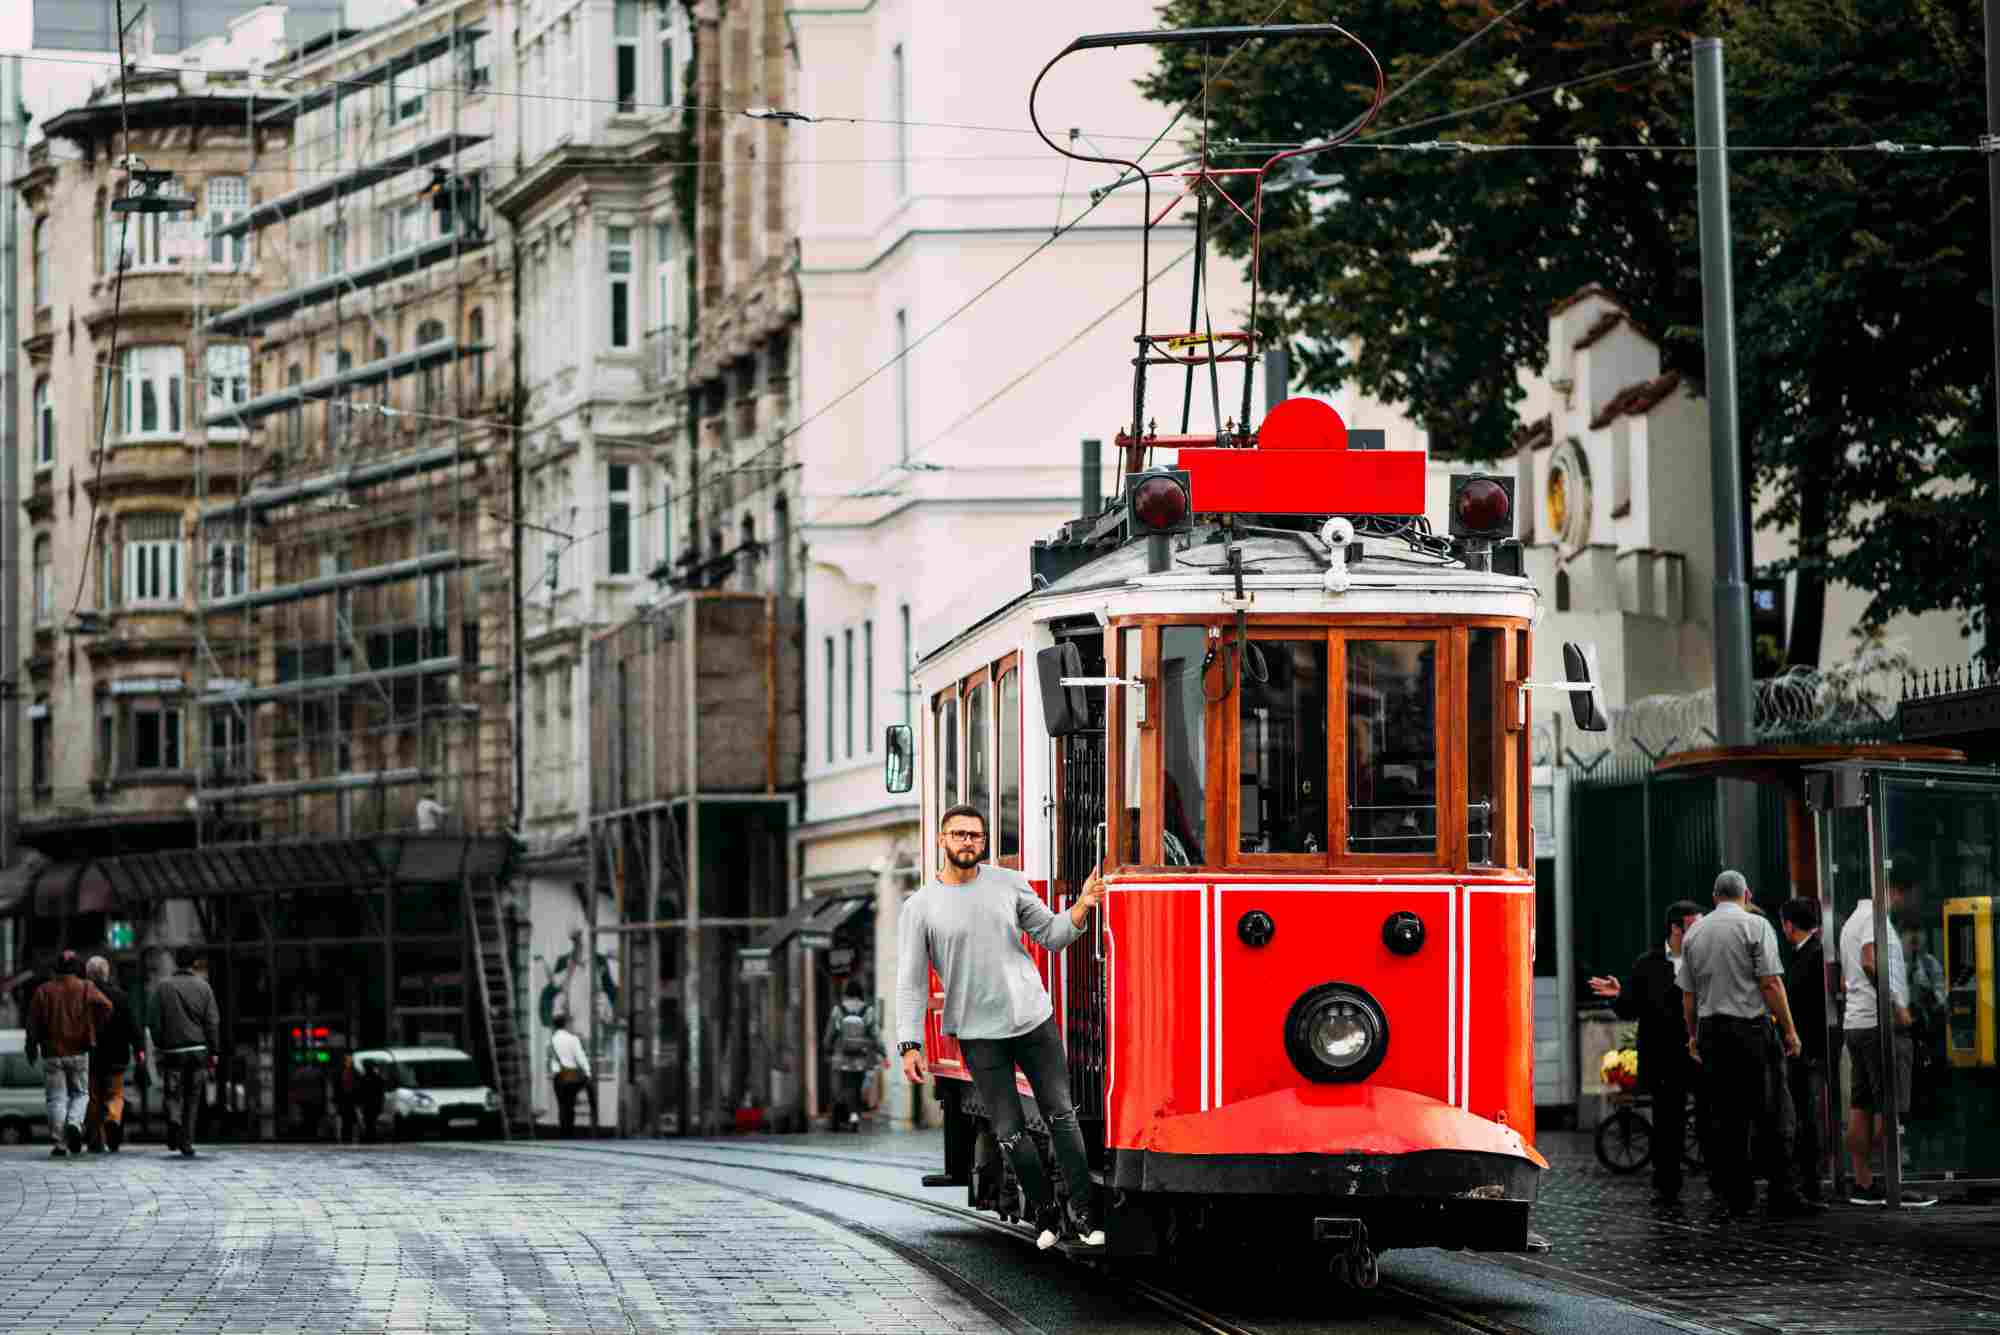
x: 1915, y: 849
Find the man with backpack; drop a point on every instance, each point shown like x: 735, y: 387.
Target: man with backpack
x: 854, y: 1046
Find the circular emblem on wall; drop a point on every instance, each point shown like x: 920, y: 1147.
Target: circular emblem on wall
x: 1569, y: 496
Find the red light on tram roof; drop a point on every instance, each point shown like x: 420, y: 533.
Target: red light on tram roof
x: 1160, y: 504
x: 1481, y: 507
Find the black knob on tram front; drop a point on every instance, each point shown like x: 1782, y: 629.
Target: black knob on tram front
x: 1403, y: 933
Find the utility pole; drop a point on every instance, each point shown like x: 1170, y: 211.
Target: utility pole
x: 13, y: 140
x: 1733, y: 701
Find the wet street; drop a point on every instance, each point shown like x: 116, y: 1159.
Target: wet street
x: 835, y: 1234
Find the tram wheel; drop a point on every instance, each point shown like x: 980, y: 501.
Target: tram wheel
x: 1625, y: 1141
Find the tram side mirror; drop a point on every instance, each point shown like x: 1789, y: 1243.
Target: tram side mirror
x: 1065, y: 709
x: 1580, y: 669
x: 899, y: 759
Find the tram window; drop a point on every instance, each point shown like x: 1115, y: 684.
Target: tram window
x: 978, y: 752
x: 1484, y: 736
x: 1009, y: 833
x: 947, y: 752
x: 1132, y: 746
x: 1392, y: 746
x: 1182, y: 713
x: 1282, y: 747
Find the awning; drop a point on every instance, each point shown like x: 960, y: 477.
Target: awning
x: 94, y: 894
x: 813, y: 922
x: 17, y: 880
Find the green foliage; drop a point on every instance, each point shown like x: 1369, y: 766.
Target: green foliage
x: 1426, y: 278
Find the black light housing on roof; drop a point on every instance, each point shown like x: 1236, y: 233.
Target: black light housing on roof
x: 1482, y: 506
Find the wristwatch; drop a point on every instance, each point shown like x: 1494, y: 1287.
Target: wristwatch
x: 902, y: 1048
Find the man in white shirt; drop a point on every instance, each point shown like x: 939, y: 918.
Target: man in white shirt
x: 569, y: 1067
x: 1868, y: 1118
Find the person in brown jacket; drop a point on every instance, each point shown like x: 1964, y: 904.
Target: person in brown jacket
x: 62, y: 1026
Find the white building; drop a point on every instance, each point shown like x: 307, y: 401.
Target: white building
x: 924, y: 488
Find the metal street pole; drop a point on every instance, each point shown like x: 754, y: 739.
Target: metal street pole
x: 1992, y: 636
x: 13, y: 133
x: 1733, y: 703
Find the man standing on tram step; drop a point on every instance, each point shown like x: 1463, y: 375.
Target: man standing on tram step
x: 968, y: 924
x: 569, y: 1068
x: 119, y: 1042
x: 1868, y: 1095
x: 188, y: 1037
x: 1730, y: 976
x: 1665, y: 1069
x: 853, y: 1046
x: 63, y: 1023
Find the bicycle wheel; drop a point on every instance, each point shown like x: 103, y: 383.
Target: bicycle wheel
x: 1625, y: 1141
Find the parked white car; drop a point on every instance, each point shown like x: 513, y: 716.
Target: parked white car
x: 433, y: 1091
x: 23, y: 1108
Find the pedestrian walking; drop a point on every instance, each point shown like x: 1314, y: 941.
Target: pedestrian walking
x: 1869, y: 1109
x: 347, y: 1097
x: 63, y: 1020
x: 120, y: 1042
x: 853, y: 1047
x: 188, y: 1038
x: 1666, y: 1071
x: 569, y: 1068
x: 372, y: 1091
x: 1806, y: 1074
x: 1731, y: 977
x: 967, y: 924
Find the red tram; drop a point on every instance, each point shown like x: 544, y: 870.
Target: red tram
x: 1292, y: 723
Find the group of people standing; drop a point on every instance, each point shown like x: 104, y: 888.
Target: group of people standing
x: 82, y: 1029
x: 1727, y: 1029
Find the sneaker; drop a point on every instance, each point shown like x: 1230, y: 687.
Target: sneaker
x: 1090, y: 1238
x: 1872, y: 1194
x: 73, y: 1137
x: 187, y: 1149
x: 1917, y: 1200
x: 1048, y: 1220
x: 1045, y: 1239
x: 173, y: 1136
x: 114, y: 1136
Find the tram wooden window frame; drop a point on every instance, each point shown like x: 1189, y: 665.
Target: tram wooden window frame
x: 1222, y: 800
x: 1009, y: 665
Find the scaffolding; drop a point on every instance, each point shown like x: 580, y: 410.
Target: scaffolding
x: 349, y: 612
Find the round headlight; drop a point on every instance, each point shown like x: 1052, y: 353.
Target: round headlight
x: 1336, y: 1032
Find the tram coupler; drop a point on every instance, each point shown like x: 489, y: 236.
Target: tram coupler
x: 1353, y: 1261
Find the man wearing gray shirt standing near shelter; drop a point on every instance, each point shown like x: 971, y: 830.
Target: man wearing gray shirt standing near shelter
x: 1730, y: 977
x: 967, y: 924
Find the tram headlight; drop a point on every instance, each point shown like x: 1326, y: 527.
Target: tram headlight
x: 1336, y: 1032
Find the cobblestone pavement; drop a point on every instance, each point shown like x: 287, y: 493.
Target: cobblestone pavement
x: 1849, y: 1270
x: 435, y: 1239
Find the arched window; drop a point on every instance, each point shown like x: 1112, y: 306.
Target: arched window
x: 1562, y: 590
x: 45, y: 425
x: 41, y: 262
x: 475, y: 333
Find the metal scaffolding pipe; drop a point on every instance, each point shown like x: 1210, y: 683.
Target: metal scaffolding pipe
x: 434, y: 563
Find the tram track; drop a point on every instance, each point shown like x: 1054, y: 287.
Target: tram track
x: 1185, y: 1310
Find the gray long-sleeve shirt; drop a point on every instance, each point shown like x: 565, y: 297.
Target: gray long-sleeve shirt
x: 972, y: 934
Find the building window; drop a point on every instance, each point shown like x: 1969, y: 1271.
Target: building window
x: 42, y: 734
x: 620, y: 268
x: 668, y: 74
x: 475, y: 63
x: 781, y: 547
x: 228, y: 385
x: 1562, y: 591
x: 140, y: 238
x: 295, y: 416
x: 475, y: 331
x: 747, y: 554
x: 228, y: 744
x: 107, y: 740
x: 618, y: 518
x: 45, y: 425
x: 45, y: 592
x: 333, y: 249
x: 406, y: 93
x: 228, y: 199
x: 829, y: 699
x: 155, y: 731
x: 903, y: 384
x: 432, y: 384
x: 868, y: 686
x: 41, y: 261
x: 899, y: 115
x: 152, y: 391
x: 667, y: 523
x: 228, y: 570
x: 625, y: 23
x: 403, y: 228
x: 847, y: 649
x: 663, y: 297
x: 152, y: 560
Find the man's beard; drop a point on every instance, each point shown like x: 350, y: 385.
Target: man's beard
x: 963, y: 859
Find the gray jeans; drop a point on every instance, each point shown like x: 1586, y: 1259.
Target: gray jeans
x: 67, y: 1081
x: 1039, y: 1053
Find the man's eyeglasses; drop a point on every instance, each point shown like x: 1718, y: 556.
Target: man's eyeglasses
x: 965, y: 836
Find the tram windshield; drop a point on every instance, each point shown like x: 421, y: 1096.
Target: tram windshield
x: 1330, y: 745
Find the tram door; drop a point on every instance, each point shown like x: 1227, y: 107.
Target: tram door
x: 1079, y: 814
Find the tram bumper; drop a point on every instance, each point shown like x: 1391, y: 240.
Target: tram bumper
x: 1416, y: 1171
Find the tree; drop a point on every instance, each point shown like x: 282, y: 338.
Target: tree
x: 1425, y: 277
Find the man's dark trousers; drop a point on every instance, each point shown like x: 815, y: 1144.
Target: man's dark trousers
x: 566, y: 1092
x: 186, y: 1078
x: 1670, y: 1111
x: 1807, y: 1085
x: 1741, y: 1109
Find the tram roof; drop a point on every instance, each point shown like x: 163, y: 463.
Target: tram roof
x: 1295, y: 560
